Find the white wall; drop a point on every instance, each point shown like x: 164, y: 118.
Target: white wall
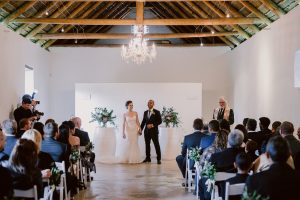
x: 263, y: 72
x: 15, y: 53
x: 104, y: 65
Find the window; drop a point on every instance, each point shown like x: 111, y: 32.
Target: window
x: 29, y: 80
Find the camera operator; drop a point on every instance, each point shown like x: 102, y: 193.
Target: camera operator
x: 25, y: 110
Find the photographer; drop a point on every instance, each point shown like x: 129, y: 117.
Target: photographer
x: 25, y: 110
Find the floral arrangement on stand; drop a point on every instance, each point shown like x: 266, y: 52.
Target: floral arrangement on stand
x: 103, y: 116
x: 252, y: 196
x: 209, y: 171
x: 169, y: 116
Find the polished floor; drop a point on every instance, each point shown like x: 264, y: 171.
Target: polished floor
x: 136, y: 181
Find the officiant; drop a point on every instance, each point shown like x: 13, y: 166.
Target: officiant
x: 223, y: 111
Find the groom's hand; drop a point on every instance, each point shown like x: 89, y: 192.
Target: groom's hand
x: 149, y: 126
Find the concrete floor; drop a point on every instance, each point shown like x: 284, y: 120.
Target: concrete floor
x: 136, y: 181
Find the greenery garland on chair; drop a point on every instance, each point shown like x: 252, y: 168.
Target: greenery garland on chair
x: 54, y: 179
x: 169, y: 116
x: 103, y: 116
x: 209, y: 171
x: 252, y: 195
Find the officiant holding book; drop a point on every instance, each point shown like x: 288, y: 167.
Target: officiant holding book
x: 151, y: 121
x: 224, y: 111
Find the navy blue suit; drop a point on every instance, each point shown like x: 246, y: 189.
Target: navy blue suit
x: 207, y: 141
x: 56, y: 149
x: 190, y: 141
x: 10, y: 144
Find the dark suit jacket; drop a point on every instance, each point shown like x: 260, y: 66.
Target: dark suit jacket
x: 6, y: 184
x: 221, y: 116
x: 154, y: 119
x: 3, y: 156
x: 207, y: 140
x: 83, y: 136
x: 258, y: 137
x: 239, y: 178
x: 45, y: 161
x: 224, y: 160
x: 191, y: 141
x: 294, y: 144
x: 56, y: 149
x: 10, y: 144
x: 279, y: 182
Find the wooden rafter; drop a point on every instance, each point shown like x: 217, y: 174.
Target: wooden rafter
x: 132, y: 0
x: 149, y: 22
x: 276, y: 9
x: 2, y: 3
x: 18, y: 12
x: 73, y: 36
x: 120, y: 45
x: 221, y: 14
x: 40, y: 27
x: 257, y: 12
x: 139, y: 12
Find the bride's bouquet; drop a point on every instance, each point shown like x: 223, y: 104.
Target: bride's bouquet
x: 169, y: 116
x: 103, y: 116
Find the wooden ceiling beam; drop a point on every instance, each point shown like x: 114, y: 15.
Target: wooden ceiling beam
x: 221, y: 14
x: 236, y: 13
x: 67, y: 29
x: 40, y: 27
x: 276, y: 9
x: 149, y: 22
x: 131, y: 0
x: 72, y: 36
x: 139, y: 12
x: 230, y: 41
x: 18, y: 12
x: 256, y: 12
x: 2, y: 3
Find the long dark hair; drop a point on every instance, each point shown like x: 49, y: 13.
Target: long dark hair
x: 64, y: 131
x: 127, y: 103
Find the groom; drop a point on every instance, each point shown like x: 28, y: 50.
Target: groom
x: 151, y: 119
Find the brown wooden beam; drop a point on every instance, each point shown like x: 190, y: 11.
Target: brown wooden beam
x: 256, y: 12
x: 276, y: 9
x: 149, y: 22
x: 73, y: 36
x: 2, y: 3
x: 139, y: 12
x: 18, y: 12
x: 131, y: 0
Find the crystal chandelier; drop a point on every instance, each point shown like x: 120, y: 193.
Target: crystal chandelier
x: 137, y: 50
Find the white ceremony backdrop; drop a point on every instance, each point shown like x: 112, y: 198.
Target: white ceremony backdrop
x: 186, y: 98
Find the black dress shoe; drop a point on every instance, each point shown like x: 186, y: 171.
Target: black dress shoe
x: 158, y: 162
x: 147, y: 160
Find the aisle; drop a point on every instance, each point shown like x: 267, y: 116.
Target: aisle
x: 141, y: 181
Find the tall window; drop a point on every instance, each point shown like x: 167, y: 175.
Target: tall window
x: 29, y: 80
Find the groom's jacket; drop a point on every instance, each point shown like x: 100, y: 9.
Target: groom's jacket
x: 155, y: 119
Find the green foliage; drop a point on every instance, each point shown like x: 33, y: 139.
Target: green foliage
x: 169, y: 116
x: 89, y: 146
x: 208, y: 171
x: 252, y: 196
x: 103, y: 116
x: 195, y: 153
x: 74, y: 156
x: 55, y: 176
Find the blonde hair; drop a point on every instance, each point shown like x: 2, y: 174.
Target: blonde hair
x: 35, y: 136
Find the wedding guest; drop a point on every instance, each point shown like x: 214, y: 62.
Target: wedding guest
x: 208, y: 139
x: 190, y: 141
x: 252, y: 134
x: 250, y: 149
x: 6, y: 184
x: 73, y: 140
x: 22, y: 166
x: 39, y: 126
x: 245, y: 120
x: 244, y: 130
x: 264, y: 132
x: 280, y: 181
x: 223, y: 111
x: 286, y: 131
x: 275, y: 126
x: 50, y: 120
x: 83, y: 136
x: 10, y: 129
x: 3, y: 155
x: 224, y: 126
x: 24, y: 125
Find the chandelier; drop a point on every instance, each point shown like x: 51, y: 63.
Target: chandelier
x: 138, y: 50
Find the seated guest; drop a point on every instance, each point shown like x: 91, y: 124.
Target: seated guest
x: 208, y: 139
x: 275, y: 126
x: 266, y: 133
x: 244, y: 130
x: 245, y: 120
x: 3, y: 155
x: 9, y: 129
x: 243, y: 164
x: 83, y: 136
x: 24, y: 125
x: 190, y: 141
x: 225, y: 126
x: 250, y: 148
x: 45, y: 161
x: 22, y: 166
x: 223, y: 161
x: 39, y: 126
x: 252, y: 134
x: 298, y: 133
x: 73, y: 140
x: 50, y: 121
x: 50, y: 144
x: 286, y: 131
x: 280, y: 181
x: 6, y: 184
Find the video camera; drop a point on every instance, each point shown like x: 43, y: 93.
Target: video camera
x: 34, y: 111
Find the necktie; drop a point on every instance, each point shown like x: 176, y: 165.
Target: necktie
x: 221, y: 113
x: 149, y: 114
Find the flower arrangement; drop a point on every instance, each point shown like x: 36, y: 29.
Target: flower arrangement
x: 209, y: 171
x: 89, y: 147
x: 169, y: 116
x: 74, y: 156
x: 195, y: 154
x: 54, y: 179
x: 251, y: 196
x: 103, y: 116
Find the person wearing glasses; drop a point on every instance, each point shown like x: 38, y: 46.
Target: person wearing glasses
x: 223, y: 111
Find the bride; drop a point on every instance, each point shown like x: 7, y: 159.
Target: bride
x: 131, y: 132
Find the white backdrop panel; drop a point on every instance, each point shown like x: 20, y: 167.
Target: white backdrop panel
x: 186, y: 98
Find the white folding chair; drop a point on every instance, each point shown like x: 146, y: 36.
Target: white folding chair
x: 48, y: 193
x: 63, y: 183
x: 30, y: 193
x: 189, y: 173
x: 235, y: 189
x: 220, y: 176
x: 197, y: 178
x: 85, y: 169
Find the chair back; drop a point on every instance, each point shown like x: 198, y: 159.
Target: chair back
x: 30, y: 193
x: 222, y: 176
x: 235, y: 189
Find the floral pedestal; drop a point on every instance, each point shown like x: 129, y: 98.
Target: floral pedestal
x: 104, y: 143
x: 169, y: 142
